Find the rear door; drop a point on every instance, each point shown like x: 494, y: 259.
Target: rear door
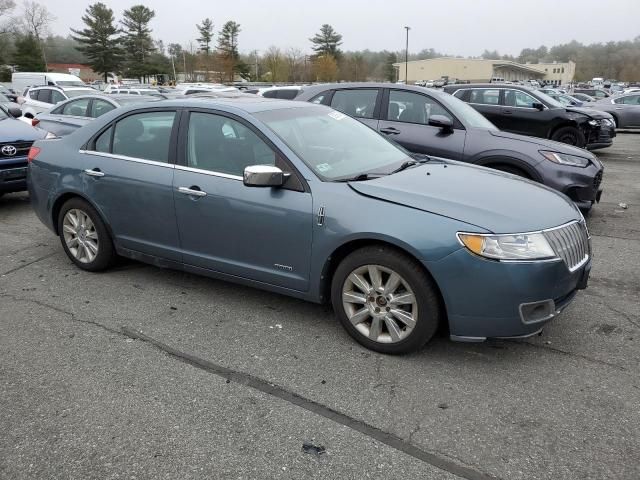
x: 363, y: 104
x: 627, y: 110
x: 129, y: 174
x: 67, y: 118
x: 488, y: 102
x: 520, y: 116
x: 405, y: 120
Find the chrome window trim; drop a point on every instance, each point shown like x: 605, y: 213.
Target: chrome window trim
x: 498, y: 105
x: 209, y: 172
x: 128, y: 159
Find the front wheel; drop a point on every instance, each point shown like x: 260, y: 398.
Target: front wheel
x: 385, y: 300
x: 570, y: 136
x: 84, y: 236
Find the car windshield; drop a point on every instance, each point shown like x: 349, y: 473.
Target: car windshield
x: 77, y: 93
x: 469, y: 115
x: 563, y: 99
x: 3, y: 114
x: 3, y: 98
x: 333, y: 145
x: 548, y: 100
x: 70, y: 83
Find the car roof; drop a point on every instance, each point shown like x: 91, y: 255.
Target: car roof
x: 246, y: 103
x: 315, y: 89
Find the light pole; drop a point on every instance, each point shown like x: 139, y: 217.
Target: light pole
x: 406, y: 58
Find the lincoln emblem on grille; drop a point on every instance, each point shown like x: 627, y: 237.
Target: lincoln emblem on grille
x: 8, y: 150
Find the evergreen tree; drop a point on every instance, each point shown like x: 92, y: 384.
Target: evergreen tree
x: 327, y: 41
x: 27, y: 56
x: 389, y: 69
x: 228, y: 47
x: 99, y: 40
x: 137, y: 40
x: 206, y: 35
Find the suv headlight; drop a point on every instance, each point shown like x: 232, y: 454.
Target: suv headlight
x: 516, y: 246
x: 565, y: 159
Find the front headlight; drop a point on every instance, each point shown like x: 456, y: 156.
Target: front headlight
x: 517, y: 246
x: 593, y: 123
x: 565, y: 159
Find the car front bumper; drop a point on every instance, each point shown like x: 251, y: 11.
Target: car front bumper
x: 601, y: 137
x: 582, y: 185
x: 490, y: 299
x: 13, y: 175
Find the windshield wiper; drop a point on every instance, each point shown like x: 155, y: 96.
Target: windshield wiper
x: 360, y: 177
x: 410, y: 163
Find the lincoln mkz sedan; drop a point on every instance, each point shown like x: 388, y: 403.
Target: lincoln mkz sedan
x: 302, y: 200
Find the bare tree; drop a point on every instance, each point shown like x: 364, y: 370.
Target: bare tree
x: 295, y: 62
x: 6, y: 7
x: 276, y: 64
x: 36, y: 19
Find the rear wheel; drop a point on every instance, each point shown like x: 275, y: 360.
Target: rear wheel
x: 84, y: 236
x: 385, y: 300
x: 570, y: 136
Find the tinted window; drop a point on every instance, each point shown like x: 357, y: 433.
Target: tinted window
x: 485, y: 96
x: 43, y: 95
x: 355, y: 103
x: 57, y: 97
x: 103, y: 142
x: 412, y: 107
x: 270, y: 94
x: 518, y: 98
x: 320, y: 98
x: 630, y: 100
x: 288, y: 93
x: 100, y: 107
x: 76, y: 108
x: 221, y: 144
x: 144, y: 135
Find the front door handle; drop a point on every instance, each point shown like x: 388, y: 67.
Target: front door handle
x: 94, y: 173
x: 390, y: 131
x: 193, y: 191
x: 507, y: 112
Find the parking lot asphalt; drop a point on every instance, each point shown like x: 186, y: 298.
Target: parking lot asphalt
x: 140, y: 372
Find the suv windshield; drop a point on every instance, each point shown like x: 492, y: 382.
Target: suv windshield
x: 469, y: 115
x: 69, y: 83
x: 79, y: 92
x: 332, y: 144
x: 548, y: 100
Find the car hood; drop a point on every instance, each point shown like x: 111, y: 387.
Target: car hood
x: 13, y: 130
x: 543, y: 143
x: 492, y: 200
x: 589, y: 112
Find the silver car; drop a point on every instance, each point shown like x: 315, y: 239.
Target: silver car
x: 625, y: 109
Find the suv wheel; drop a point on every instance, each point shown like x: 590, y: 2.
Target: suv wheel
x: 385, y: 300
x: 84, y: 236
x: 570, y: 136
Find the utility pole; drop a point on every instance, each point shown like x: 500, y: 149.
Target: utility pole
x: 255, y: 52
x: 184, y: 64
x: 406, y: 58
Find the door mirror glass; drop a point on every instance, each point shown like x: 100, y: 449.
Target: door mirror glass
x: 537, y: 106
x: 263, y: 176
x: 441, y: 121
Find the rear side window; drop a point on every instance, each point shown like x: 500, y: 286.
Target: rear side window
x: 270, y: 94
x: 319, y: 99
x: 288, y: 94
x: 57, y: 97
x: 355, y: 103
x: 77, y: 108
x: 144, y: 135
x: 43, y: 95
x: 100, y: 107
x: 485, y: 96
x: 103, y: 142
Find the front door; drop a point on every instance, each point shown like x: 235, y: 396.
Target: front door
x: 405, y: 120
x: 129, y: 175
x: 261, y: 234
x: 521, y: 117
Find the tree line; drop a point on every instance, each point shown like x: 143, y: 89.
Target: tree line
x: 127, y: 47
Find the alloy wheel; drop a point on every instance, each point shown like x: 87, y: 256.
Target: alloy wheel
x: 80, y: 235
x: 380, y: 304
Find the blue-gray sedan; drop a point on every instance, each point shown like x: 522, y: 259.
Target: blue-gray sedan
x: 305, y: 201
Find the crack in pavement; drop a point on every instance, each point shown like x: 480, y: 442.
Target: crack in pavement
x: 24, y: 265
x: 626, y: 316
x: 439, y: 460
x: 569, y: 354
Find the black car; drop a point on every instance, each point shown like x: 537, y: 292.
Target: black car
x: 522, y: 110
x: 427, y: 121
x: 16, y: 138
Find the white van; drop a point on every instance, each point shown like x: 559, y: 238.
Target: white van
x: 22, y: 80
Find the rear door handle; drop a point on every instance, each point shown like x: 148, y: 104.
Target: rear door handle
x: 507, y: 112
x: 193, y: 191
x: 94, y: 173
x: 390, y: 131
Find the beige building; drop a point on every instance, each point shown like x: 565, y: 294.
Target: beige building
x: 481, y: 70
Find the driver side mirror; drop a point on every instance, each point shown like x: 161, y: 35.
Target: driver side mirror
x: 440, y: 121
x: 15, y: 112
x: 263, y: 176
x: 537, y: 106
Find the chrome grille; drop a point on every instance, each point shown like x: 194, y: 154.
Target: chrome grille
x: 571, y: 244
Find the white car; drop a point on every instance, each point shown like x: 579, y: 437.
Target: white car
x: 191, y: 88
x: 42, y: 99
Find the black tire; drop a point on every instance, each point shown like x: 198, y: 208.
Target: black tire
x: 420, y: 283
x: 106, y: 255
x: 615, y: 121
x: 512, y: 170
x: 570, y: 136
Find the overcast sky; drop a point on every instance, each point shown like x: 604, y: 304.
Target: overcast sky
x: 457, y: 27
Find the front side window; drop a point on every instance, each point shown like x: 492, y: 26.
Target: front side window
x: 518, y: 98
x: 319, y: 99
x: 355, y: 103
x: 409, y: 107
x: 630, y: 100
x: 77, y: 108
x: 224, y: 145
x: 43, y: 95
x: 57, y: 97
x: 144, y: 135
x: 485, y: 96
